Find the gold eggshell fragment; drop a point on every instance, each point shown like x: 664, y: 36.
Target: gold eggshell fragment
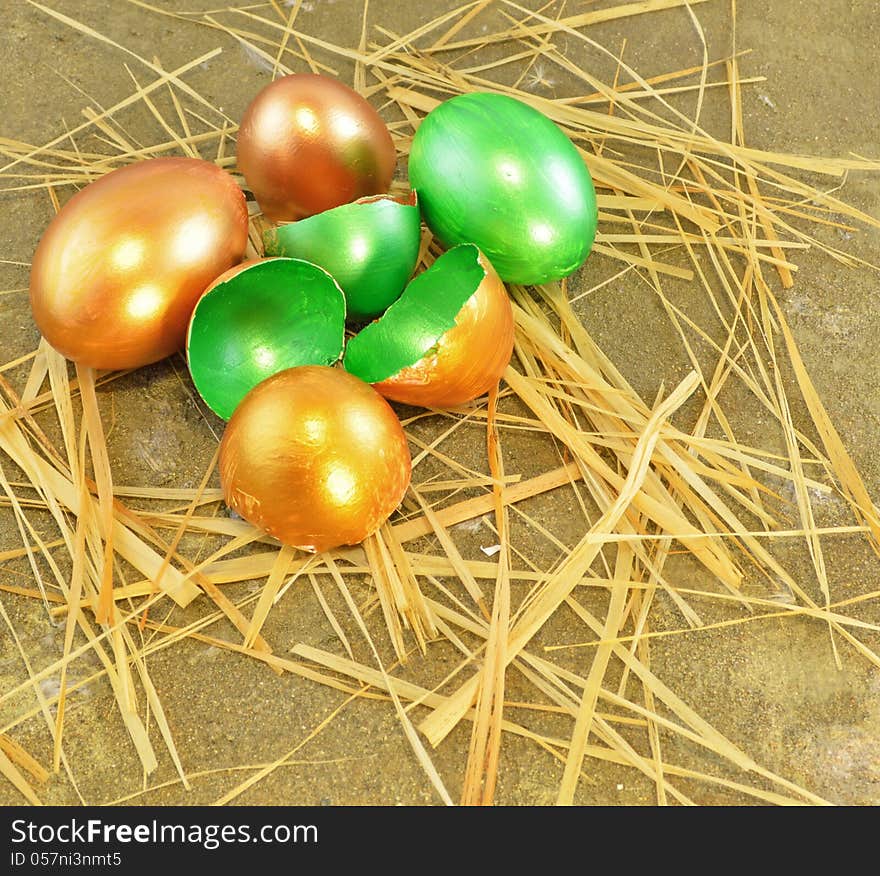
x: 308, y: 143
x: 445, y: 341
x: 118, y: 271
x: 315, y: 457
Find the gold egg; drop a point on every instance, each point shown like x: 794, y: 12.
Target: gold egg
x: 315, y: 457
x: 308, y: 143
x: 117, y: 273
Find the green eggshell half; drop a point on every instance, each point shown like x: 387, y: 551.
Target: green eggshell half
x: 418, y: 319
x: 490, y: 170
x: 271, y: 315
x: 370, y: 247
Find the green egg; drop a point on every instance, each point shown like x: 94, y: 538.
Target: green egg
x: 492, y: 171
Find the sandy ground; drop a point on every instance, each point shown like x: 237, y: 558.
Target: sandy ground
x: 771, y: 686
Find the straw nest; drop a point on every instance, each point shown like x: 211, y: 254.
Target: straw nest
x: 636, y: 480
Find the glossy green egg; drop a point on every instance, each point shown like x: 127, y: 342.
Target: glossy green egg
x: 369, y: 246
x: 490, y: 170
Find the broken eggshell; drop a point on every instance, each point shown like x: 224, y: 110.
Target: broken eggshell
x: 315, y: 457
x: 493, y: 171
x: 445, y: 341
x: 118, y: 271
x: 308, y: 142
x: 259, y: 318
x: 370, y: 247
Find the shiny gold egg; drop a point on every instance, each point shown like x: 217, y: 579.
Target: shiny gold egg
x: 119, y: 270
x: 315, y: 457
x: 308, y: 143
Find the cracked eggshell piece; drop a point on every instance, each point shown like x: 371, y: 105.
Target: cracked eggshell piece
x: 370, y: 247
x: 445, y: 341
x: 259, y: 318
